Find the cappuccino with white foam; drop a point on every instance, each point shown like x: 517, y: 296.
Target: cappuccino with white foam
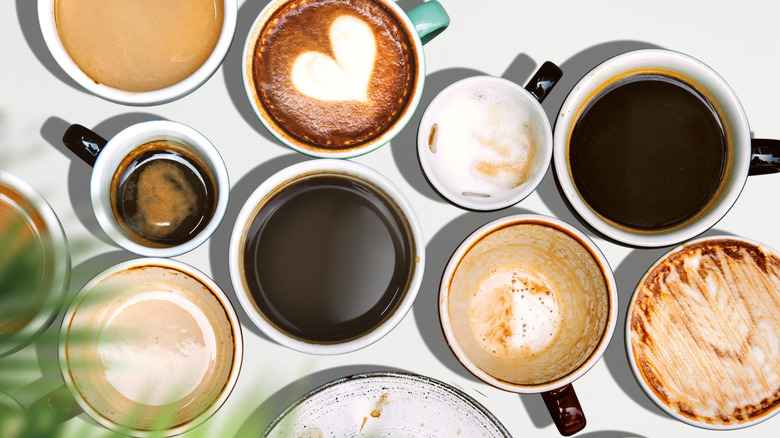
x: 704, y: 332
x: 333, y: 74
x: 150, y: 347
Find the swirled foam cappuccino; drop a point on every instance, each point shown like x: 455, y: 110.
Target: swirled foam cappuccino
x: 704, y: 332
x: 481, y: 136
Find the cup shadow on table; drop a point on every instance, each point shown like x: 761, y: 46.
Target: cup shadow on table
x: 233, y: 64
x: 272, y: 406
x: 27, y: 14
x: 219, y: 242
x: 79, y: 172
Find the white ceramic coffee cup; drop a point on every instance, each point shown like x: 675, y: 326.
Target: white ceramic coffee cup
x: 700, y: 332
x: 734, y: 123
x: 422, y: 24
x: 51, y: 37
x: 302, y: 171
x: 502, y: 125
x: 106, y: 156
x: 497, y: 288
x: 53, y: 265
x: 187, y: 380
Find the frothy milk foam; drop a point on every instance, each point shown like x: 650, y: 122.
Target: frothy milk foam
x: 347, y: 76
x: 481, y: 140
x: 167, y: 331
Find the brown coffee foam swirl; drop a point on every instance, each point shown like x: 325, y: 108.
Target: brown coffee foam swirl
x: 303, y: 26
x: 705, y: 331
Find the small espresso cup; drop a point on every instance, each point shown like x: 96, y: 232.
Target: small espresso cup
x: 528, y: 304
x: 117, y: 50
x: 326, y: 256
x: 34, y: 264
x: 337, y: 79
x: 158, y: 188
x: 148, y: 347
x: 652, y: 148
x: 485, y: 143
x: 702, y: 332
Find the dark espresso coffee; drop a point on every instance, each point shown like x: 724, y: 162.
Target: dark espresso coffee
x: 334, y: 74
x: 328, y: 258
x: 648, y: 153
x: 162, y: 195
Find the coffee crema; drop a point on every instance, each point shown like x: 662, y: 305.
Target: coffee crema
x: 327, y: 258
x: 648, y: 152
x: 334, y: 74
x: 162, y: 195
x: 705, y: 332
x: 139, y: 45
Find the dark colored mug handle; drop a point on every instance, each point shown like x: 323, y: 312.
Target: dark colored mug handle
x: 53, y: 408
x: 84, y: 143
x: 543, y: 80
x: 565, y: 409
x: 765, y: 156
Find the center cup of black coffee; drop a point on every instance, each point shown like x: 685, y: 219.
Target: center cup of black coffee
x: 328, y: 258
x: 649, y: 152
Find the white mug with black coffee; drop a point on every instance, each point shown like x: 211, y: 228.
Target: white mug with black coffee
x: 652, y: 147
x: 158, y: 188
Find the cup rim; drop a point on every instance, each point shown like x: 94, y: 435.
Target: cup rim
x: 464, y: 202
x: 136, y: 135
x: 254, y: 203
x: 638, y: 376
x: 315, y: 151
x: 217, y: 292
x: 51, y: 38
x: 652, y: 58
x: 61, y: 262
x: 458, y: 255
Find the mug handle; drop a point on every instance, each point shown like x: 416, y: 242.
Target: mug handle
x: 543, y: 80
x: 565, y: 409
x: 84, y: 143
x: 53, y: 408
x: 429, y: 19
x: 765, y: 156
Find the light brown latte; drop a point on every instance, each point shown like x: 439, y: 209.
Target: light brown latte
x: 705, y: 331
x: 139, y: 45
x: 333, y: 74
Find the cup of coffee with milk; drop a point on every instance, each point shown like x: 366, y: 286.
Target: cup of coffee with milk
x: 335, y: 78
x: 142, y: 52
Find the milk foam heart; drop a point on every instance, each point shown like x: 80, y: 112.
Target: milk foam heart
x: 347, y: 76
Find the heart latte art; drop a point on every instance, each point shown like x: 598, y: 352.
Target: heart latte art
x: 346, y: 75
x: 333, y: 74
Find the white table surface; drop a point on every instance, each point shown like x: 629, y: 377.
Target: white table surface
x: 739, y: 40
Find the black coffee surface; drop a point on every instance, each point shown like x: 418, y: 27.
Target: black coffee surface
x: 327, y: 259
x: 648, y: 153
x: 163, y: 196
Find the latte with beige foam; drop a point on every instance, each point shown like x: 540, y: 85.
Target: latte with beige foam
x: 333, y: 74
x: 151, y: 347
x: 704, y: 332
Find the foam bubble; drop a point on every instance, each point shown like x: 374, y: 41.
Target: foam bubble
x: 484, y: 141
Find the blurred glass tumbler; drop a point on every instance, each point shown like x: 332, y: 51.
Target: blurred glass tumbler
x: 485, y: 143
x: 528, y: 304
x: 34, y: 264
x: 144, y: 52
x: 158, y: 188
x: 335, y: 78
